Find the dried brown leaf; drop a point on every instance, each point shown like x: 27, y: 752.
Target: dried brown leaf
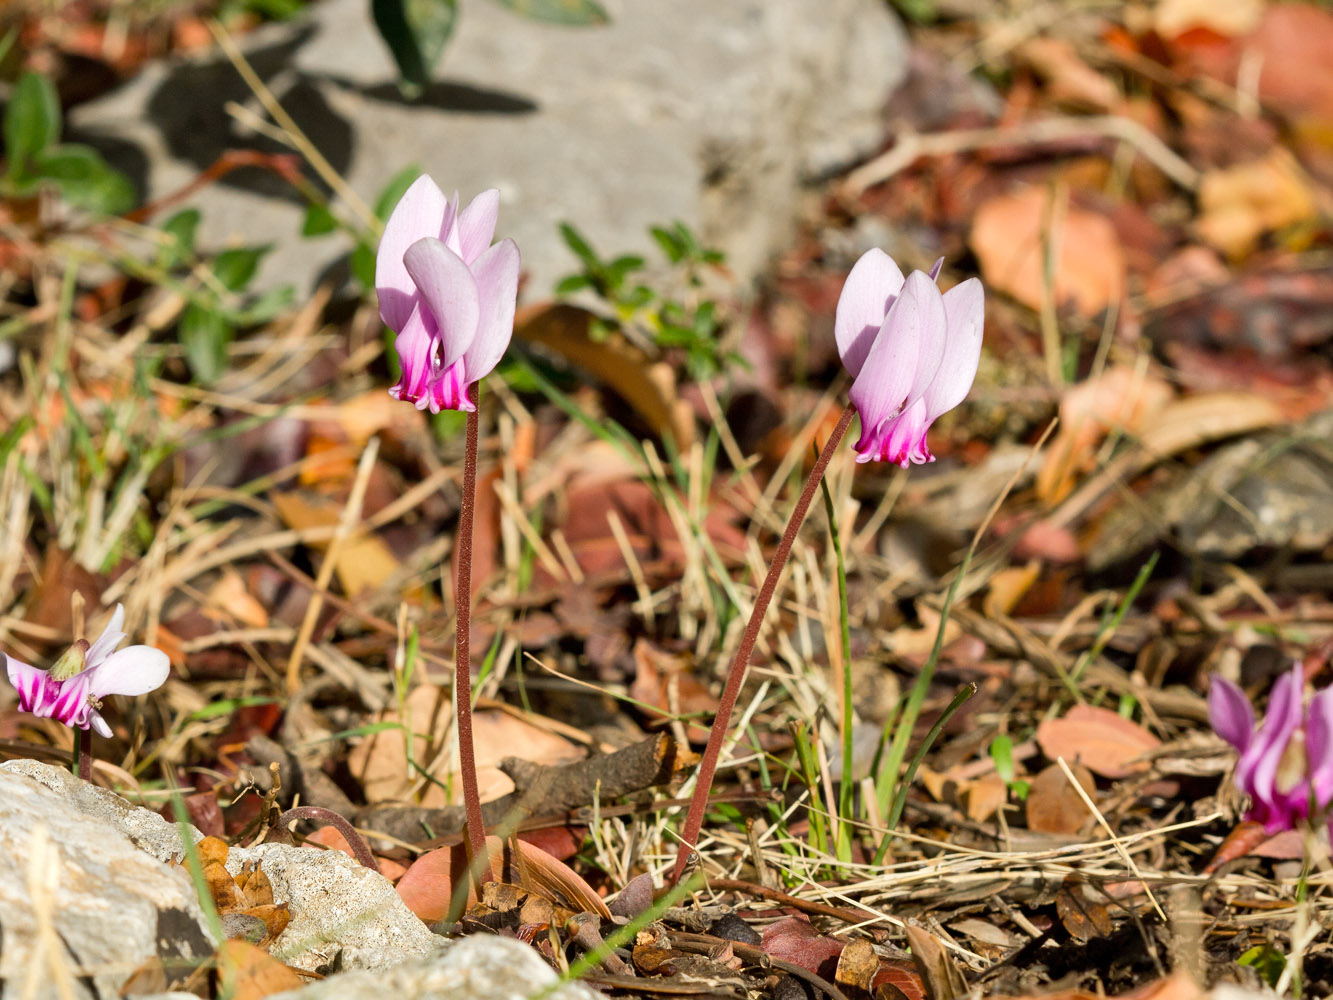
x: 1106, y: 743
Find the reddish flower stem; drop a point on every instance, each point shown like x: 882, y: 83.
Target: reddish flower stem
x: 85, y: 755
x: 736, y: 674
x: 478, y: 856
x: 358, y: 844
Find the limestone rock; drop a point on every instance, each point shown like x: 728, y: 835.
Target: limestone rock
x: 711, y: 113
x: 480, y: 967
x: 81, y: 906
x: 343, y: 915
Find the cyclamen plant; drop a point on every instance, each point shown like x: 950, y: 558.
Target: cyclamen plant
x: 913, y: 354
x: 1286, y: 764
x: 73, y: 690
x: 450, y: 296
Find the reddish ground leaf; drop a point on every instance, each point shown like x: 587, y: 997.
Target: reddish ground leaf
x: 795, y: 940
x: 1104, y: 742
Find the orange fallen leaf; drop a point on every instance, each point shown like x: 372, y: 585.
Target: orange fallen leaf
x: 379, y: 761
x: 250, y: 973
x: 1009, y: 241
x: 1104, y: 742
x: 1124, y: 397
x: 1239, y: 204
x: 1053, y: 805
x: 428, y: 885
x: 364, y: 562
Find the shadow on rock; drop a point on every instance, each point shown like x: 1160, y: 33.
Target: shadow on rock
x: 446, y: 96
x: 189, y: 108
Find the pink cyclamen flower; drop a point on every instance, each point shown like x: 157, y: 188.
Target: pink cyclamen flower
x: 1286, y: 765
x: 446, y: 292
x: 72, y: 691
x: 912, y: 352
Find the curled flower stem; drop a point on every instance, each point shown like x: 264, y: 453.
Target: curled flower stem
x: 85, y: 755
x: 736, y: 674
x: 358, y: 844
x: 467, y: 760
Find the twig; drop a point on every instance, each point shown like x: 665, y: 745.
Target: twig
x: 354, y: 839
x: 1115, y: 841
x: 912, y: 147
x: 351, y: 513
x: 736, y: 674
x: 299, y: 139
x: 704, y: 944
x: 787, y: 899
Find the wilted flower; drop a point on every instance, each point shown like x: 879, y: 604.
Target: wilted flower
x: 1286, y: 766
x: 446, y: 292
x: 912, y: 352
x: 72, y: 691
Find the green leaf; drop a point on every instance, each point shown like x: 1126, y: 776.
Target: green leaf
x: 318, y: 221
x: 181, y: 229
x: 393, y: 191
x: 573, y: 12
x: 362, y: 264
x: 264, y: 308
x: 85, y: 180
x: 572, y: 284
x: 235, y: 268
x: 669, y: 243
x: 32, y: 121
x: 416, y: 32
x: 205, y: 334
x: 582, y: 249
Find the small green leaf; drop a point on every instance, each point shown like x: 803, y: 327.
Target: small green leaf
x: 393, y: 191
x: 85, y: 180
x: 669, y: 243
x: 572, y: 284
x: 318, y: 221
x: 572, y: 12
x: 235, y: 268
x: 639, y: 298
x: 416, y: 32
x: 181, y: 229
x: 582, y: 249
x: 205, y: 334
x: 619, y: 269
x: 362, y: 264
x: 32, y: 121
x: 264, y: 308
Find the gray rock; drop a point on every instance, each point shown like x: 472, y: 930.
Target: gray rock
x: 480, y: 967
x: 711, y: 113
x: 81, y: 906
x: 146, y: 829
x: 1269, y: 490
x: 343, y: 915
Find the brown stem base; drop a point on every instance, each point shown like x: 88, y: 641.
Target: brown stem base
x: 85, y: 755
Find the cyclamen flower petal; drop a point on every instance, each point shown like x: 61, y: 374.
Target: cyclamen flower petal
x: 913, y: 353
x: 1286, y: 765
x: 75, y: 700
x: 446, y: 292
x: 1230, y: 713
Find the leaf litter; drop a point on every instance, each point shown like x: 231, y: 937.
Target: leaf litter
x: 1150, y: 215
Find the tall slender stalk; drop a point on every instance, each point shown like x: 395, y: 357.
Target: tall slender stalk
x: 467, y: 759
x: 694, y: 819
